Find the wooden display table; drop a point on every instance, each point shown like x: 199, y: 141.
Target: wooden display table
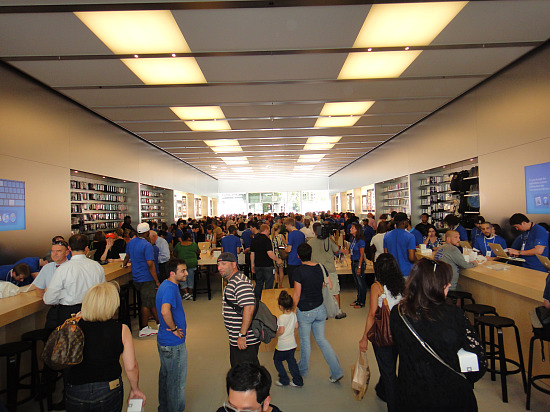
x: 27, y: 311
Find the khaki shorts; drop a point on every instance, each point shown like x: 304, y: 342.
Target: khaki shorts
x: 335, y: 284
x: 148, y: 293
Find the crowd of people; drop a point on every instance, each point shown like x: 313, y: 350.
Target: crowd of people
x: 163, y: 263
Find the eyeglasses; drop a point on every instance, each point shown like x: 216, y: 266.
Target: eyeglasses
x: 60, y: 242
x: 230, y: 408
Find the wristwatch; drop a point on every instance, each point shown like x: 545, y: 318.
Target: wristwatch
x: 175, y: 329
x: 242, y: 335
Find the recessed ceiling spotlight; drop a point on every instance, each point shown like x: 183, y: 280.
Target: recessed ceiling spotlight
x: 471, y: 160
x: 136, y: 56
x: 369, y: 49
x: 76, y: 171
x: 173, y: 54
x: 407, y: 48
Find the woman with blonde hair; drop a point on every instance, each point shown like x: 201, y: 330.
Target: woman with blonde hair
x: 278, y: 241
x: 95, y: 384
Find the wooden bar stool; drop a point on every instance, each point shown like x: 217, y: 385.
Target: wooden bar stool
x: 12, y: 352
x: 496, y: 351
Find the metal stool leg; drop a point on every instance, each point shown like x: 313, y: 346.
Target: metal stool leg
x: 493, y: 352
x: 529, y: 374
x: 521, y: 364
x: 503, y: 366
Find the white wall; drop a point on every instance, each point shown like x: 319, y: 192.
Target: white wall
x: 504, y: 122
x: 43, y: 136
x: 272, y: 185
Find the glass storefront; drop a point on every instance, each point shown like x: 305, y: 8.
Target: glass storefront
x: 273, y: 202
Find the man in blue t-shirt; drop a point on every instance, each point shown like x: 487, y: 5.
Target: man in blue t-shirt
x: 533, y: 241
x: 171, y: 339
x: 295, y: 239
x: 418, y: 239
x: 453, y: 223
x: 140, y: 252
x: 482, y: 243
x: 231, y: 243
x: 401, y: 244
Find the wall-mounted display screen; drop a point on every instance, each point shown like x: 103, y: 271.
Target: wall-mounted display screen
x: 12, y: 205
x: 537, y: 188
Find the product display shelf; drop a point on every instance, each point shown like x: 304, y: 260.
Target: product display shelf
x: 97, y: 203
x: 156, y: 203
x: 393, y: 195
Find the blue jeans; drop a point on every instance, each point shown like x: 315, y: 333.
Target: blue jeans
x: 172, y: 377
x: 360, y: 281
x: 263, y: 275
x: 92, y: 397
x: 190, y: 281
x: 287, y: 355
x: 314, y: 320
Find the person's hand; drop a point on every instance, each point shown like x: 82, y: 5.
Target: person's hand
x: 363, y: 344
x: 110, y: 243
x: 358, y: 271
x: 178, y: 332
x: 241, y: 343
x: 157, y: 283
x: 136, y: 394
x: 513, y: 252
x: 253, y: 269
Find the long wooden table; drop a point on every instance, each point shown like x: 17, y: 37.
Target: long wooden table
x: 27, y: 311
x: 514, y: 293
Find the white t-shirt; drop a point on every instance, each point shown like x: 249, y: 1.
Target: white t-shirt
x: 287, y: 340
x: 392, y: 301
x: 378, y: 242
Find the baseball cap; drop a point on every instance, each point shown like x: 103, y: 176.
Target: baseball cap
x: 143, y: 227
x: 227, y: 257
x: 110, y: 236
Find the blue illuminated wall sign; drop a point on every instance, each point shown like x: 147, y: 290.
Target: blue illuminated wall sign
x: 12, y: 205
x: 537, y: 188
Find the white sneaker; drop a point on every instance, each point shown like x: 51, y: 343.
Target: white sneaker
x: 147, y: 331
x: 187, y: 296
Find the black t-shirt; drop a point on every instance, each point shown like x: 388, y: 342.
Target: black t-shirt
x: 119, y: 246
x: 99, y: 247
x: 260, y: 245
x: 311, y: 278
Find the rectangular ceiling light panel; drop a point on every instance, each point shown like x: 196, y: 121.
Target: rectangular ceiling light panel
x: 203, y: 118
x: 397, y: 25
x: 235, y: 161
x: 321, y: 142
x: 406, y: 24
x: 146, y: 32
x: 312, y: 158
x: 342, y: 114
x: 224, y: 145
x: 136, y: 32
x: 377, y: 65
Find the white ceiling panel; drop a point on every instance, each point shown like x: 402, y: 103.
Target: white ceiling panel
x: 271, y: 28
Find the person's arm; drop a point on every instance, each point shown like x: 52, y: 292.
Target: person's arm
x: 537, y: 250
x: 54, y: 290
x: 459, y: 260
x: 252, y: 254
x: 166, y: 312
x: 130, y: 365
x: 272, y: 255
x: 108, y: 246
x: 280, y: 331
x: 412, y: 255
x: 361, y: 258
x: 153, y: 271
x: 297, y: 293
x: 546, y: 304
x: 373, y: 305
x: 126, y: 260
x: 248, y: 312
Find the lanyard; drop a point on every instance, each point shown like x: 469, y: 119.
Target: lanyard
x: 525, y: 238
x: 352, y: 246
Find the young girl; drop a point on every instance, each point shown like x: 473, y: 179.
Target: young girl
x: 286, y: 346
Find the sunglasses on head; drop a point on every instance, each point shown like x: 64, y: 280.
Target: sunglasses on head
x: 60, y: 242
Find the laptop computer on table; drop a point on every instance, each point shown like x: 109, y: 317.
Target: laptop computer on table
x: 501, y: 254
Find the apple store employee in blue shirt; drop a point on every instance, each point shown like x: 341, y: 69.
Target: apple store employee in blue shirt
x: 401, y: 244
x: 532, y: 241
x: 481, y: 244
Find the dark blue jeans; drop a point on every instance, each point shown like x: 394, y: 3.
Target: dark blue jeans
x: 288, y: 356
x: 94, y: 397
x: 360, y: 281
x: 264, y: 275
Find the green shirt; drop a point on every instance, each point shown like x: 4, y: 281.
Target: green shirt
x: 188, y: 253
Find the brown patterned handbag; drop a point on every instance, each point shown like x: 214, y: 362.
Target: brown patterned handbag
x: 65, y: 346
x: 379, y: 333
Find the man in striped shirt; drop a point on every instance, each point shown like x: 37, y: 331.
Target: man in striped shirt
x: 238, y: 313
